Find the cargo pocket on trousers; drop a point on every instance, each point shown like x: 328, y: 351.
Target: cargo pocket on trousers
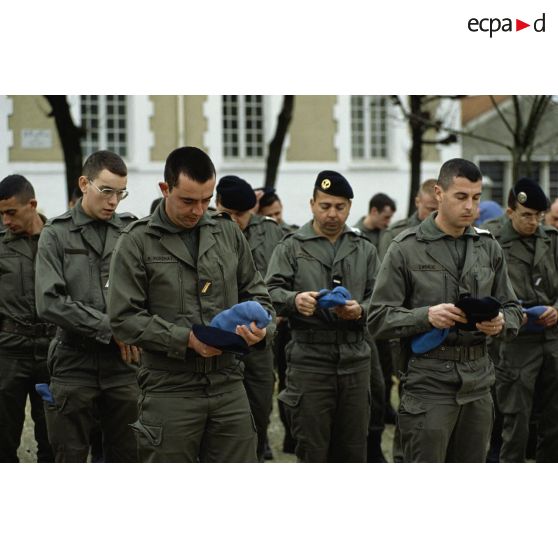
x: 290, y: 398
x: 151, y: 432
x: 412, y: 412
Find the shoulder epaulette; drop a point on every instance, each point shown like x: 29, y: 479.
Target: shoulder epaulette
x: 127, y: 216
x: 411, y: 231
x: 136, y: 223
x: 222, y: 215
x: 485, y: 232
x: 357, y: 232
x: 63, y: 217
x: 267, y: 219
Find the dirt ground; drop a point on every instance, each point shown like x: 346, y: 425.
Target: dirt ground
x: 28, y: 447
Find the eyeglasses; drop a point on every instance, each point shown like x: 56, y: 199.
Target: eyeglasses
x: 107, y: 192
x: 539, y: 216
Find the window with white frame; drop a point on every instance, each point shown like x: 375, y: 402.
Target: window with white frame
x: 369, y: 127
x: 104, y: 120
x: 243, y: 126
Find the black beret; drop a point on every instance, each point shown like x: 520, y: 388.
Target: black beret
x: 529, y: 194
x: 220, y: 339
x: 334, y: 184
x: 235, y: 193
x: 477, y: 310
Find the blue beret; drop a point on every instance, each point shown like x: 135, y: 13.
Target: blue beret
x: 533, y: 314
x: 428, y: 341
x: 334, y: 184
x: 489, y: 210
x: 336, y: 297
x: 243, y: 313
x: 235, y: 193
x: 477, y: 310
x: 221, y: 331
x: 529, y: 194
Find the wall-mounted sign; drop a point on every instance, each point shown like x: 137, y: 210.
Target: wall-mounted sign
x: 36, y: 138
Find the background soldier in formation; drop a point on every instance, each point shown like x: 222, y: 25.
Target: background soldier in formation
x: 236, y: 198
x: 380, y: 211
x: 91, y: 372
x: 328, y: 374
x: 425, y: 203
x: 179, y: 267
x: 270, y: 206
x: 527, y: 369
x: 446, y: 409
x: 24, y: 338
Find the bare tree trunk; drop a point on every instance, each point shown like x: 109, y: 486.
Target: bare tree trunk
x: 70, y: 138
x: 417, y: 132
x: 276, y: 144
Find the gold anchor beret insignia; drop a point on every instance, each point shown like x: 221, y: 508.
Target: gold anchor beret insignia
x: 326, y: 183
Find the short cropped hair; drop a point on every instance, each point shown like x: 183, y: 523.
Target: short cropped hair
x: 427, y: 187
x: 192, y: 162
x: 379, y: 201
x: 269, y: 198
x: 16, y: 185
x: 101, y: 160
x: 455, y: 168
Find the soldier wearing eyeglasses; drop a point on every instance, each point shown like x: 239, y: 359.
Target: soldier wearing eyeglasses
x: 527, y: 371
x: 92, y: 373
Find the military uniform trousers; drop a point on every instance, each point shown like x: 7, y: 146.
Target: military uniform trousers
x: 178, y: 427
x: 436, y: 432
x: 528, y: 371
x: 259, y: 380
x: 18, y: 376
x: 88, y: 392
x: 377, y: 407
x: 280, y: 342
x: 329, y: 415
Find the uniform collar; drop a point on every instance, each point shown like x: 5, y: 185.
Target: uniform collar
x: 9, y: 236
x: 307, y: 232
x: 81, y: 219
x: 429, y: 230
x: 160, y: 220
x: 508, y: 233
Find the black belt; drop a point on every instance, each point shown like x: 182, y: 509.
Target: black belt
x: 202, y: 365
x: 338, y: 336
x: 27, y: 330
x: 192, y: 362
x: 457, y: 353
x: 84, y: 343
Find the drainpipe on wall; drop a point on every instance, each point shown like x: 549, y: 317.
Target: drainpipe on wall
x: 180, y: 113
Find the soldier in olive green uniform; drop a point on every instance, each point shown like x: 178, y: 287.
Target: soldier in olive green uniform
x: 446, y: 409
x: 425, y: 203
x: 380, y: 210
x: 91, y: 374
x: 172, y: 270
x: 270, y: 205
x: 236, y: 198
x: 527, y: 370
x: 23, y: 338
x: 328, y: 375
